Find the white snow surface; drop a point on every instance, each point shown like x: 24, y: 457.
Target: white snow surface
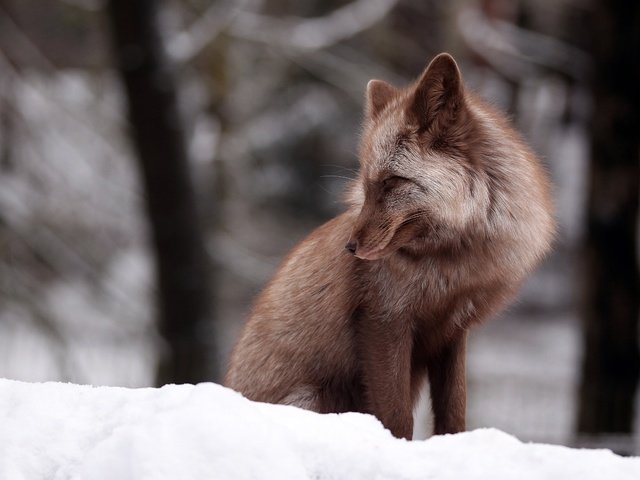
x: 65, y: 431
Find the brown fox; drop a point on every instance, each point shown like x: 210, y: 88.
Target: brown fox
x: 449, y: 212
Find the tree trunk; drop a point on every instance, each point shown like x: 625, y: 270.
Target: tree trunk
x: 611, y: 362
x: 182, y: 266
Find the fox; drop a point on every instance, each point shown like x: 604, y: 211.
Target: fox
x: 449, y: 212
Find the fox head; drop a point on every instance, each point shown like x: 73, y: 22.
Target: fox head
x: 415, y: 164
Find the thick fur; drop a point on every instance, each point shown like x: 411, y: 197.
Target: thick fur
x: 450, y: 211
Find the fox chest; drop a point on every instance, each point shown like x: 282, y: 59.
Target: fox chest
x: 429, y: 298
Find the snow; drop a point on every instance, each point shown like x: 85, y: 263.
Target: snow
x: 66, y: 431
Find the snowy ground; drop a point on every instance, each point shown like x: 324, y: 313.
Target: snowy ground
x: 65, y: 431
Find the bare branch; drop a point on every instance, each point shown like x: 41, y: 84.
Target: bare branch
x: 340, y: 69
x: 293, y: 32
x: 312, y: 34
x: 307, y: 110
x: 88, y: 5
x: 189, y: 43
x: 92, y: 130
x: 22, y: 44
x: 515, y: 52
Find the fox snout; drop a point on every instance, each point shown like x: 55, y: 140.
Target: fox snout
x: 355, y: 246
x: 372, y: 232
x: 376, y: 238
x: 369, y: 243
x: 352, y: 246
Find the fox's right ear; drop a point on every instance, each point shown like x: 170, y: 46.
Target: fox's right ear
x: 379, y: 94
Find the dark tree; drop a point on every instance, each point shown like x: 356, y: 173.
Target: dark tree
x: 182, y: 265
x: 611, y: 363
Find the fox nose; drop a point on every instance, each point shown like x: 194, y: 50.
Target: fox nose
x: 352, y: 246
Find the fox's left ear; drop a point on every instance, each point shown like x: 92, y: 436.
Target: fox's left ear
x: 439, y: 95
x: 379, y: 94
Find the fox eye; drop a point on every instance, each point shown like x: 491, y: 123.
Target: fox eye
x: 389, y: 182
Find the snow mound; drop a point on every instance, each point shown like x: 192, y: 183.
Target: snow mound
x: 64, y: 431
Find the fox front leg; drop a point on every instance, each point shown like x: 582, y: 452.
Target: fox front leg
x: 386, y: 357
x: 447, y: 384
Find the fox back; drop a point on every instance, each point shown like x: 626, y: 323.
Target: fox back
x: 448, y: 214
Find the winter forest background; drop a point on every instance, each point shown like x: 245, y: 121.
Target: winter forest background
x: 157, y: 160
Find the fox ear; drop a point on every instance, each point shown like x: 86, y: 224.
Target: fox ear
x: 439, y: 94
x: 379, y: 94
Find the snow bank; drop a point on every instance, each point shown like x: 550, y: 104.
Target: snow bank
x: 64, y: 431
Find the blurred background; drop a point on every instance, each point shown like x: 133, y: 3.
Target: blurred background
x: 157, y: 160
